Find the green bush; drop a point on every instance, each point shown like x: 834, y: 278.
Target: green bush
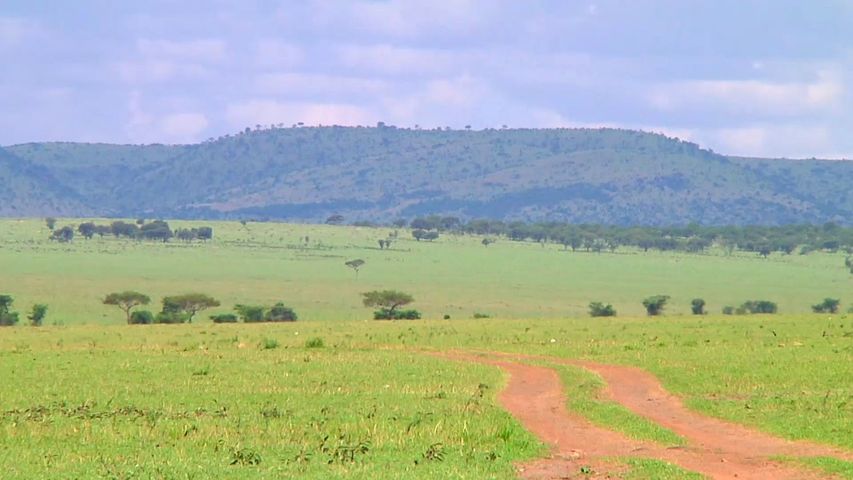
x: 224, y: 318
x: 141, y: 317
x: 481, y: 315
x: 280, y: 313
x: 250, y: 313
x: 172, y: 317
x: 315, y: 342
x: 728, y: 310
x: 655, y: 304
x: 7, y: 317
x: 269, y: 343
x: 757, y: 306
x: 829, y: 305
x: 697, y: 306
x: 386, y: 314
x: 36, y: 316
x: 598, y: 309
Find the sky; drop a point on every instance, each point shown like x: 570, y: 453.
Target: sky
x: 767, y: 78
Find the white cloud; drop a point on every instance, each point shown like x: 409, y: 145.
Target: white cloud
x: 788, y: 140
x: 749, y: 96
x: 177, y: 127
x: 316, y: 84
x: 201, y: 51
x: 267, y: 112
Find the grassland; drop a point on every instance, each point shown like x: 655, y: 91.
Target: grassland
x: 94, y: 398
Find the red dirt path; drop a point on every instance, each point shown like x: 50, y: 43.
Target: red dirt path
x: 717, y: 449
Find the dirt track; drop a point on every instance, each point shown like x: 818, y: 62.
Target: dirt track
x: 715, y: 448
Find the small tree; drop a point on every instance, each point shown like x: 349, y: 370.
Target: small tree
x: 50, y: 222
x: 224, y: 318
x: 141, y: 317
x: 599, y: 309
x: 355, y: 265
x: 655, y: 304
x: 829, y: 305
x: 280, y: 313
x: 63, y: 235
x: 697, y: 306
x: 388, y: 300
x: 37, y: 314
x: 250, y: 313
x: 87, y: 230
x: 7, y: 316
x: 335, y: 220
x: 126, y: 301
x: 189, y: 304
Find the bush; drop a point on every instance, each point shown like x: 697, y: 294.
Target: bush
x: 728, y: 310
x: 36, y: 316
x: 697, y: 306
x: 829, y: 305
x: 756, y: 306
x: 141, y: 317
x: 598, y: 309
x: 280, y: 313
x: 446, y: 316
x: 315, y: 342
x: 481, y: 315
x: 655, y: 304
x: 386, y: 314
x: 250, y: 313
x: 269, y: 343
x: 224, y: 318
x: 7, y: 317
x: 172, y: 317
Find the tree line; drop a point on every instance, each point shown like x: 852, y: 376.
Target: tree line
x: 156, y: 230
x: 763, y: 240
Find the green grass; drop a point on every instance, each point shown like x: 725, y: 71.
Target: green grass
x: 648, y: 469
x: 834, y: 466
x: 584, y: 391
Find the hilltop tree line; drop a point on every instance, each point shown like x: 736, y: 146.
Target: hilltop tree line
x: 763, y: 240
x: 156, y: 230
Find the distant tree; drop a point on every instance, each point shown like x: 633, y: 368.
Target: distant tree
x: 156, y: 230
x: 190, y: 304
x: 335, y: 220
x: 205, y: 233
x: 697, y: 306
x: 224, y: 318
x: 127, y: 301
x: 63, y: 235
x: 381, y: 244
x: 102, y: 230
x: 828, y: 305
x: 764, y: 250
x: 400, y: 223
x: 140, y: 221
x: 388, y: 300
x: 87, y: 229
x: 488, y: 241
x: 50, y: 222
x: 7, y: 316
x: 757, y: 306
x: 728, y: 310
x: 420, y: 224
x: 123, y: 229
x: 419, y: 234
x: 599, y: 309
x: 250, y: 313
x: 355, y: 265
x: 280, y: 313
x: 37, y: 314
x: 655, y: 304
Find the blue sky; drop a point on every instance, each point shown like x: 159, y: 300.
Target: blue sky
x: 768, y: 78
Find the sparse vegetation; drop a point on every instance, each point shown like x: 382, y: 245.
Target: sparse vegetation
x: 599, y: 309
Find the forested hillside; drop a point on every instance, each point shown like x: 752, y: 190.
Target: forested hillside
x: 602, y: 176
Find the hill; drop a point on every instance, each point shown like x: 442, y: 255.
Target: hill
x: 380, y: 173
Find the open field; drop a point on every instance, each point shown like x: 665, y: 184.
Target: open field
x: 91, y: 397
x: 455, y: 275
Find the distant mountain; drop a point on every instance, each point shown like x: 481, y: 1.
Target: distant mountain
x: 578, y: 175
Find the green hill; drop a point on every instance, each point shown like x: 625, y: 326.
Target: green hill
x: 578, y: 175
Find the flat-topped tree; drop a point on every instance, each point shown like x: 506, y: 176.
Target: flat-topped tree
x: 127, y: 301
x: 390, y: 300
x: 355, y: 265
x: 190, y: 303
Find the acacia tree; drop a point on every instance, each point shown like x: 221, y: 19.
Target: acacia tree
x: 355, y: 265
x: 127, y: 301
x: 387, y: 299
x: 654, y: 304
x: 190, y: 304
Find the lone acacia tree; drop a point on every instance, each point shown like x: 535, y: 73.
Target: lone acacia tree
x: 190, y: 303
x: 387, y: 299
x: 127, y: 301
x: 355, y: 265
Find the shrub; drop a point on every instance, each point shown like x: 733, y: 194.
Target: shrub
x: 481, y: 315
x: 224, y: 318
x: 280, y: 313
x: 269, y: 343
x: 757, y: 306
x: 446, y: 316
x: 728, y: 310
x: 315, y: 342
x: 36, y: 316
x: 697, y: 306
x: 141, y: 317
x: 250, y: 313
x: 7, y: 317
x: 655, y: 304
x: 598, y: 309
x: 387, y: 314
x: 171, y: 317
x: 829, y: 305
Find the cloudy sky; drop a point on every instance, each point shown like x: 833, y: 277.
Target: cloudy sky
x: 750, y: 77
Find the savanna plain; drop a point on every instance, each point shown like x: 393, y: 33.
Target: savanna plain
x: 338, y: 394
